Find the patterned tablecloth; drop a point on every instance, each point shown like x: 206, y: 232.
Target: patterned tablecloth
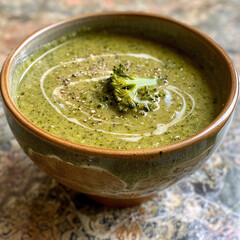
x: 204, y: 206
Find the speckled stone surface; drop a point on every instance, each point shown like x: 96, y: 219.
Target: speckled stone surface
x: 204, y: 206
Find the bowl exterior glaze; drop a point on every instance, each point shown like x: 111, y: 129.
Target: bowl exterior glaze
x: 121, y: 177
x: 117, y: 178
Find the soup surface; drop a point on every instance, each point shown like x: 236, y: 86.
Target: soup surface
x: 62, y: 88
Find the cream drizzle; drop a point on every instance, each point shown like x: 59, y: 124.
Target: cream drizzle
x: 56, y: 92
x: 161, y: 128
x: 39, y: 58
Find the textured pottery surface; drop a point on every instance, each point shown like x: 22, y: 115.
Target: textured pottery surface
x: 203, y: 206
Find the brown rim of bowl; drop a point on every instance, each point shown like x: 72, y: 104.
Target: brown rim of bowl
x: 209, y: 131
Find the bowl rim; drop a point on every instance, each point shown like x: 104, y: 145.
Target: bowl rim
x: 142, y: 154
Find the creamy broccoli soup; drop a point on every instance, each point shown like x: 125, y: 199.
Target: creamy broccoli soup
x: 115, y: 91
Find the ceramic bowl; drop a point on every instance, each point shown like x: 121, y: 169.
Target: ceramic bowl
x: 123, y: 177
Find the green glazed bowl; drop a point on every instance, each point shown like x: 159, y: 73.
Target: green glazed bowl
x: 122, y: 177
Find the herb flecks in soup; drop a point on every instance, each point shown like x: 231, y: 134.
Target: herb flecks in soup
x: 65, y: 90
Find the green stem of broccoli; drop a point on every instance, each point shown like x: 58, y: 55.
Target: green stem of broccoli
x: 136, y: 83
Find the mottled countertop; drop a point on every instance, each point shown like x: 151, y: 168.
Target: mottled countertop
x: 204, y: 206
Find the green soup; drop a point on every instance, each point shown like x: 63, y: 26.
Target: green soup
x: 62, y: 89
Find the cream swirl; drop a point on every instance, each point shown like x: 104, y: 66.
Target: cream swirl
x: 59, y: 103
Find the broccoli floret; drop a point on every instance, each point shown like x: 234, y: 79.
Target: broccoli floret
x: 131, y: 93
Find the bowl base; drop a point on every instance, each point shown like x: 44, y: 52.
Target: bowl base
x: 119, y: 202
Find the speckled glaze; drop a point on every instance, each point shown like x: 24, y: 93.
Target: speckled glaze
x: 122, y: 177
